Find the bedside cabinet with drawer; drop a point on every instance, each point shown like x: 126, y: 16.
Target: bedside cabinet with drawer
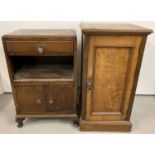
x: 42, y: 69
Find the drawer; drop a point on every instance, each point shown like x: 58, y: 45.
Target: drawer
x: 60, y: 98
x: 30, y: 99
x: 39, y: 47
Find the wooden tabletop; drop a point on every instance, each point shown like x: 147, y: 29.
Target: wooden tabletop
x: 41, y: 33
x: 113, y: 28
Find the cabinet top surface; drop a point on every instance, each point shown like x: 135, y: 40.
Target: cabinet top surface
x: 113, y: 28
x: 42, y: 33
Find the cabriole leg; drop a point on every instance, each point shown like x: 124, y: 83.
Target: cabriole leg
x: 20, y: 122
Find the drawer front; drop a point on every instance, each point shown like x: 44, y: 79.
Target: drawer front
x: 60, y: 98
x: 30, y: 99
x: 39, y: 47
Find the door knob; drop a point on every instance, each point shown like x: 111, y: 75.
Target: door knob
x: 39, y: 101
x: 51, y: 101
x: 40, y: 49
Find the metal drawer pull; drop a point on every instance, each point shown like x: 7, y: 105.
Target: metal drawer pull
x: 40, y: 49
x: 51, y: 101
x: 39, y: 101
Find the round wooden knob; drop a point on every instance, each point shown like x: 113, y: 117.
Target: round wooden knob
x: 39, y: 101
x: 51, y: 101
x: 40, y: 50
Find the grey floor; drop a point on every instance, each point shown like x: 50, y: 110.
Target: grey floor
x: 143, y: 119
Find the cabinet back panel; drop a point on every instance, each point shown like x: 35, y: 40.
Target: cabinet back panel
x: 19, y: 61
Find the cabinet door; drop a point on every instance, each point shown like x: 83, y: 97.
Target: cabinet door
x: 29, y: 99
x: 110, y: 73
x: 60, y: 98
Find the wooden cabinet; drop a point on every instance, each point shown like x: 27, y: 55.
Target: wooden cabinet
x: 42, y: 69
x: 111, y: 59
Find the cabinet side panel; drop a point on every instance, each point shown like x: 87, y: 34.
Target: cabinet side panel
x: 141, y: 41
x: 84, y: 54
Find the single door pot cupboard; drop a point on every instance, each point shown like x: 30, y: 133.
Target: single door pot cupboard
x: 111, y: 60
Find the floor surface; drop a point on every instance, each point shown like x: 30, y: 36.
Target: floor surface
x: 143, y: 119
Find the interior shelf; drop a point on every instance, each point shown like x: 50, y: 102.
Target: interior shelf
x: 47, y: 72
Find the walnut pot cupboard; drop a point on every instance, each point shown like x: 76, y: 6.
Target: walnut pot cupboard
x: 111, y: 60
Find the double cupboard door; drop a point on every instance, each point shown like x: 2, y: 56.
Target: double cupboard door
x: 38, y: 99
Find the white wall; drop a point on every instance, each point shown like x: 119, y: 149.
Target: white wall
x: 146, y: 84
x: 1, y: 89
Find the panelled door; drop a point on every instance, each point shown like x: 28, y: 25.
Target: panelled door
x: 60, y: 97
x: 30, y: 99
x: 110, y: 72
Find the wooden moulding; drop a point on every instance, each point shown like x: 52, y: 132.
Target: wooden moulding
x: 115, y: 126
x: 114, y: 28
x: 48, y: 116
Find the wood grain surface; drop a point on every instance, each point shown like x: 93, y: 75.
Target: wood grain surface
x: 112, y: 56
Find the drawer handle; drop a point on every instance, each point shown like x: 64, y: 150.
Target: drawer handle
x: 51, y: 101
x: 40, y: 49
x: 39, y: 101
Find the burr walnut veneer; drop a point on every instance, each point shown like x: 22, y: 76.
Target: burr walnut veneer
x: 111, y: 60
x: 42, y: 70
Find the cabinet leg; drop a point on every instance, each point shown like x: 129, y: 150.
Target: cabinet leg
x: 76, y: 123
x: 20, y: 122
